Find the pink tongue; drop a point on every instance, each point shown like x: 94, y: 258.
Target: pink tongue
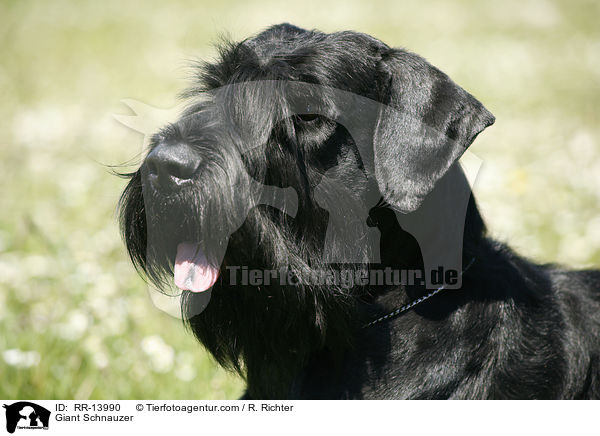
x: 192, y: 271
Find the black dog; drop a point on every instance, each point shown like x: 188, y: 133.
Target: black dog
x: 304, y: 154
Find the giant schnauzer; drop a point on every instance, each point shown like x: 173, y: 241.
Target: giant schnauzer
x: 310, y: 209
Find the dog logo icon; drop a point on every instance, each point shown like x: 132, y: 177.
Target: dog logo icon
x: 26, y: 415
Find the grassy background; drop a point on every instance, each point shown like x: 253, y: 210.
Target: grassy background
x: 77, y: 322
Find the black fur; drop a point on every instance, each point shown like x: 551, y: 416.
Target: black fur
x: 513, y: 330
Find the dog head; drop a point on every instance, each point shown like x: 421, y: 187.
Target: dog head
x: 283, y: 133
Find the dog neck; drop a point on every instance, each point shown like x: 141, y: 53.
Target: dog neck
x: 270, y: 333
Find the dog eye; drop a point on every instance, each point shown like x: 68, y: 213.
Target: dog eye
x: 307, y: 117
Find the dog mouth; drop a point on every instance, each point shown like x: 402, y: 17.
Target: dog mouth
x: 192, y: 271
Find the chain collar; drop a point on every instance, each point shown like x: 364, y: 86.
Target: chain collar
x: 412, y: 304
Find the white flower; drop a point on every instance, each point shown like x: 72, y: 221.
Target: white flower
x: 161, y: 355
x: 100, y: 359
x: 75, y: 326
x: 21, y: 359
x: 185, y: 370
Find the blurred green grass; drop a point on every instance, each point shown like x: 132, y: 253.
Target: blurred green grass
x: 77, y: 322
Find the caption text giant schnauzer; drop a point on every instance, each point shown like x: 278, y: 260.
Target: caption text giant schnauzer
x: 309, y: 206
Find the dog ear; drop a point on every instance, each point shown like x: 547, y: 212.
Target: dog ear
x: 425, y: 124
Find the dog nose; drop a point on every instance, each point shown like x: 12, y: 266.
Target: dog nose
x: 171, y: 165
